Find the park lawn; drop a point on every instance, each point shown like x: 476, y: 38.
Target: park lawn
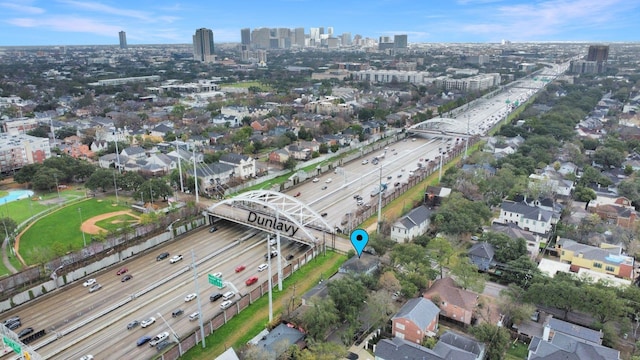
x: 115, y: 223
x: 249, y: 322
x: 21, y: 210
x: 63, y: 227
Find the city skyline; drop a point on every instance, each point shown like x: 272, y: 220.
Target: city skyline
x: 74, y: 22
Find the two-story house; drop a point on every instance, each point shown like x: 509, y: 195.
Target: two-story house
x: 412, y: 225
x: 417, y: 319
x: 482, y: 255
x: 245, y: 165
x: 526, y: 217
x: 455, y: 303
x: 607, y: 259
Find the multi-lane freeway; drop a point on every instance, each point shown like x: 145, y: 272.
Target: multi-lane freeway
x: 333, y: 195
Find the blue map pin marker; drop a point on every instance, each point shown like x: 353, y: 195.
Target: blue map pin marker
x: 359, y: 239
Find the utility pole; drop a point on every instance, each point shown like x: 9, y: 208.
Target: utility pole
x: 380, y: 202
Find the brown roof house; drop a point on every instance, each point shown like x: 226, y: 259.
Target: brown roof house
x: 415, y: 320
x: 455, y: 303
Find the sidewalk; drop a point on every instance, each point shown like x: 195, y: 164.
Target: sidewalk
x: 5, y: 256
x: 360, y: 351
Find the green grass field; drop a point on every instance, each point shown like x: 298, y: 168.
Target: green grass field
x: 62, y: 227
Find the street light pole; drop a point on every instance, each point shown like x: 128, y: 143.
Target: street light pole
x: 84, y: 240
x: 173, y: 332
x: 195, y: 279
x: 380, y: 202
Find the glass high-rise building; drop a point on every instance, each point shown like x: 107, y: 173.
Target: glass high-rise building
x: 245, y: 36
x: 123, y: 39
x: 203, y: 45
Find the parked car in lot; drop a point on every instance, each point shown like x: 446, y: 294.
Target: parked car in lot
x: 175, y: 259
x: 147, y: 322
x: 132, y: 324
x: 126, y: 278
x: 122, y: 271
x: 162, y: 256
x: 89, y: 282
x: 95, y: 287
x: 190, y: 297
x: 252, y: 280
x: 143, y: 340
x: 240, y: 268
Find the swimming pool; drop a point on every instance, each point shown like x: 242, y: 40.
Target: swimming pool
x: 16, y: 195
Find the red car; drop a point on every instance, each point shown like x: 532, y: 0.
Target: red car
x: 252, y: 280
x: 240, y: 268
x: 297, y: 194
x: 122, y: 271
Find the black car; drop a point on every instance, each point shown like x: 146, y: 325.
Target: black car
x: 126, y: 278
x: 132, y: 324
x: 162, y: 256
x: 14, y: 325
x: 290, y: 256
x: 177, y: 312
x: 323, y: 214
x: 25, y: 332
x: 163, y: 344
x: 215, y: 297
x: 213, y: 229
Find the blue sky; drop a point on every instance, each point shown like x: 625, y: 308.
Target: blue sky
x: 88, y: 22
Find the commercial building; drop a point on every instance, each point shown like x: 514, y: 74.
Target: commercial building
x: 123, y: 39
x: 18, y: 150
x: 245, y: 36
x: 203, y: 45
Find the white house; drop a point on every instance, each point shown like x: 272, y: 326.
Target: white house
x: 245, y: 166
x: 526, y: 217
x: 412, y: 225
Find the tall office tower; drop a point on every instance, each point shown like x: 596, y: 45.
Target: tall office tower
x: 346, y: 39
x: 260, y: 38
x: 598, y: 53
x: 245, y: 36
x: 123, y: 39
x: 284, y: 38
x: 330, y: 31
x: 314, y: 36
x: 400, y: 41
x: 203, y: 45
x: 321, y: 30
x: 299, y: 37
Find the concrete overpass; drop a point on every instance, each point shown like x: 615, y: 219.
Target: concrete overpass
x: 438, y: 126
x: 279, y: 214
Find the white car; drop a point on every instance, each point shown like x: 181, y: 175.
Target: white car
x: 175, y: 259
x: 218, y: 275
x: 89, y: 282
x: 147, y: 322
x: 95, y: 287
x: 262, y: 267
x: 226, y: 304
x: 315, y: 180
x: 190, y: 297
x: 329, y: 180
x: 365, y: 162
x: 272, y: 242
x: 87, y: 357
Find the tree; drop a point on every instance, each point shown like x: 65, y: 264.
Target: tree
x: 608, y: 157
x: 46, y: 178
x: 26, y: 173
x: 389, y: 282
x: 506, y: 248
x: 290, y: 164
x: 520, y: 271
x: 496, y: 339
x: 603, y: 303
x: 8, y: 226
x: 441, y: 251
x: 348, y: 295
x: 585, y: 194
x: 324, y: 148
x: 319, y: 318
x: 466, y: 275
x: 458, y: 215
x: 100, y: 179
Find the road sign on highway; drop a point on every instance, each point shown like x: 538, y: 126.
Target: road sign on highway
x: 12, y: 344
x: 215, y: 281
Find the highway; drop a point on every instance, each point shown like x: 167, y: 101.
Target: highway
x: 333, y: 193
x: 74, y: 305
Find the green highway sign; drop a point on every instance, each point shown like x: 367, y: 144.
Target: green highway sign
x: 215, y: 281
x: 12, y: 344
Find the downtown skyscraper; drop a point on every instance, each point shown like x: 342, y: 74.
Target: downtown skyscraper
x: 123, y: 39
x: 203, y: 45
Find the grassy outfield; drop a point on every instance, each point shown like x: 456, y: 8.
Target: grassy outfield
x: 63, y: 227
x: 254, y: 319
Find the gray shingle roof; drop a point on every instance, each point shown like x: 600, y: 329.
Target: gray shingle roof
x: 576, y: 331
x: 233, y: 158
x: 527, y: 212
x: 461, y: 342
x: 566, y: 347
x: 397, y: 349
x: 420, y: 311
x: 483, y: 250
x: 415, y: 217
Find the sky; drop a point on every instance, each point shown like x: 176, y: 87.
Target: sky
x: 88, y: 22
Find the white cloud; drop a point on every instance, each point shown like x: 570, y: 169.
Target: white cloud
x: 67, y: 24
x: 23, y: 8
x: 106, y: 9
